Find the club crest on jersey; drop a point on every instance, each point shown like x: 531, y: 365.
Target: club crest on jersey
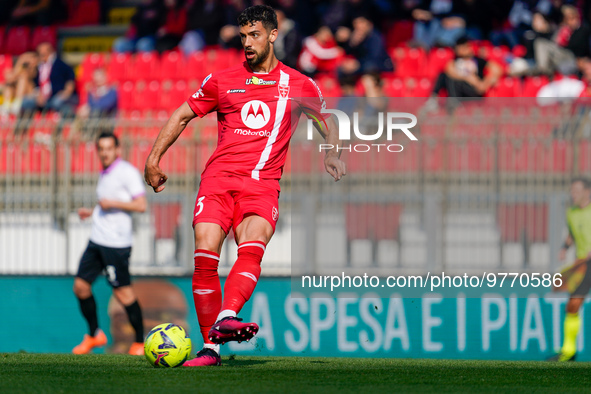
x: 283, y: 91
x: 259, y: 81
x: 255, y: 114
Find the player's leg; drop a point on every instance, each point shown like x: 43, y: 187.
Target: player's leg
x: 252, y: 235
x: 572, y: 320
x: 212, y: 220
x: 118, y: 276
x: 88, y: 270
x: 572, y: 324
x: 255, y: 216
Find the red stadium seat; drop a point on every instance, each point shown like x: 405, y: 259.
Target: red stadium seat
x: 437, y: 60
x: 82, y: 87
x: 525, y: 156
x: 373, y: 221
x: 83, y: 159
x: 145, y: 65
x: 126, y: 92
x: 90, y: 62
x: 532, y: 85
x: 166, y: 219
x: 519, y: 221
x: 40, y: 159
x: 423, y: 88
x: 2, y: 34
x: 118, y: 67
x: 399, y: 33
x: 470, y: 157
x: 172, y: 94
x: 17, y: 40
x: 173, y: 66
x: 499, y: 55
x: 506, y: 87
x: 394, y: 87
x: 44, y: 34
x: 409, y: 62
x: 432, y: 155
x: 5, y: 64
x: 196, y: 66
x: 83, y: 12
x: 149, y: 98
x: 217, y: 59
x: 584, y: 157
x: 519, y: 51
x: 329, y: 86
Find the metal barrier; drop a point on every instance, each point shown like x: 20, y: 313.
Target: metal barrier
x: 480, y: 184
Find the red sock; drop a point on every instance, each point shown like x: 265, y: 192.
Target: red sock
x: 207, y: 291
x: 244, y: 275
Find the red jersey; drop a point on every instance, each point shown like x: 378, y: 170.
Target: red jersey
x: 256, y: 115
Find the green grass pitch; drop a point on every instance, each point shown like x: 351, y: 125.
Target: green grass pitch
x: 118, y: 373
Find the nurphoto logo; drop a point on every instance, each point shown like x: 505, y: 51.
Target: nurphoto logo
x: 394, y: 121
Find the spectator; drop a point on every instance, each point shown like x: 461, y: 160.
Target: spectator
x: 570, y: 43
x: 19, y: 82
x: 541, y: 28
x: 95, y: 116
x: 288, y: 43
x: 375, y: 99
x: 205, y: 19
x: 366, y: 46
x: 437, y: 22
x: 55, y: 82
x: 519, y: 19
x: 348, y: 100
x: 102, y: 97
x: 479, y: 17
x: 38, y: 12
x: 342, y: 12
x: 466, y: 75
x: 320, y: 52
x: 144, y: 25
x: 229, y: 36
x: 175, y: 25
x: 5, y: 17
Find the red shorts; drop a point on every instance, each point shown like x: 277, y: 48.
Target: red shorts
x: 228, y: 200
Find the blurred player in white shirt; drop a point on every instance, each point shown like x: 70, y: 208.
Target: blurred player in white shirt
x: 120, y: 191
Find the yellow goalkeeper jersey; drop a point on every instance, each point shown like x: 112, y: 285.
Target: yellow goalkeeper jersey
x: 579, y: 225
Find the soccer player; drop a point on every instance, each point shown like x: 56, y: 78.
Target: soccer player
x: 120, y: 191
x: 578, y: 218
x: 258, y: 104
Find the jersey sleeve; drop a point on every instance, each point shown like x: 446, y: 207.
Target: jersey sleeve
x: 312, y: 101
x: 134, y: 183
x: 205, y: 100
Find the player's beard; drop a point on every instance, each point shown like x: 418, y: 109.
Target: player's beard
x: 259, y: 58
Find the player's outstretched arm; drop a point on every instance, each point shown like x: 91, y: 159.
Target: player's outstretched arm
x: 138, y: 204
x: 153, y: 175
x: 333, y: 164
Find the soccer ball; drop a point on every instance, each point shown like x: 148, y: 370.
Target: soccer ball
x: 167, y: 346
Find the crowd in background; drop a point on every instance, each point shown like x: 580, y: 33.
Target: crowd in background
x: 349, y: 39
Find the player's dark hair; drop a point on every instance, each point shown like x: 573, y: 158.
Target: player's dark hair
x: 107, y: 134
x: 259, y: 13
x: 584, y: 180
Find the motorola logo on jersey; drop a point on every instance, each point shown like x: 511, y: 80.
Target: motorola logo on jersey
x: 255, y: 114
